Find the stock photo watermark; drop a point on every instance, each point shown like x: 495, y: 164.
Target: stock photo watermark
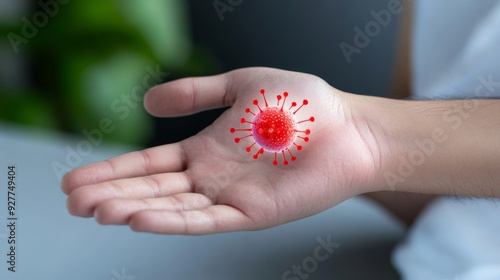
x: 363, y: 37
x: 4, y: 241
x: 11, y: 220
x: 122, y: 275
x: 310, y: 264
x: 455, y: 117
x: 122, y: 107
x: 223, y: 6
x: 222, y: 178
x: 31, y: 27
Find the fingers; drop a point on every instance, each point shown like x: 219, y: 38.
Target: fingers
x: 213, y: 219
x: 118, y: 211
x: 167, y: 158
x: 189, y: 95
x: 83, y: 201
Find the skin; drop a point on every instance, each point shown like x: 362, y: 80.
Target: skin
x: 405, y: 206
x: 206, y: 184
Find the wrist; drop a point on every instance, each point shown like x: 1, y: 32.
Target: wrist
x: 360, y: 117
x: 434, y: 147
x: 402, y: 145
x: 398, y: 134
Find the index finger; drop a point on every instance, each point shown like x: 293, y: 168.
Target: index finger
x: 166, y: 158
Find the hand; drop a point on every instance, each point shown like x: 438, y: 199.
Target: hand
x: 208, y: 184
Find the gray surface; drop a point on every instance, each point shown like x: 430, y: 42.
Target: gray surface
x: 54, y: 245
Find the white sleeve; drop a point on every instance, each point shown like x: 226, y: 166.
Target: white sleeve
x: 454, y: 239
x: 456, y: 46
x: 456, y: 54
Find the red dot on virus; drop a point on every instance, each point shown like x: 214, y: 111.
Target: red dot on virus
x: 274, y: 128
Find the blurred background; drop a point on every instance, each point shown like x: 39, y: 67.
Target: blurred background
x: 66, y: 65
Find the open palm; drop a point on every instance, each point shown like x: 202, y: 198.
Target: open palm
x: 208, y: 184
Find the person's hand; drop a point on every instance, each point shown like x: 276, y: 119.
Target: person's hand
x: 208, y: 184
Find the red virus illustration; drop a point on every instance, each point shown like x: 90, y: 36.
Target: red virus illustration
x: 274, y: 128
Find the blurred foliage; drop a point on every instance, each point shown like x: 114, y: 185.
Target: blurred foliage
x: 90, y: 56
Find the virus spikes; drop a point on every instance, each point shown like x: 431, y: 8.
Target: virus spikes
x: 264, y: 95
x: 256, y: 103
x: 243, y: 120
x: 311, y: 119
x: 285, y: 162
x: 307, y: 131
x: 304, y: 102
x: 274, y: 128
x: 259, y: 152
x: 306, y: 139
x: 285, y: 94
x: 249, y: 148
x: 238, y: 139
x: 247, y: 110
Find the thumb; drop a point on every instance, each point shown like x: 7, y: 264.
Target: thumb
x: 189, y: 95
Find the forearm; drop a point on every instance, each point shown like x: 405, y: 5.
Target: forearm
x: 439, y: 147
